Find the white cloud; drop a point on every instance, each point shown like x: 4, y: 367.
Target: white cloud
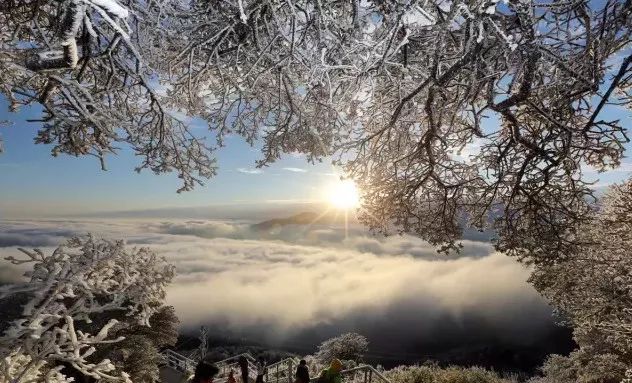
x: 296, y: 170
x: 190, y: 121
x: 301, y: 284
x: 290, y: 287
x: 602, y: 185
x: 250, y: 171
x: 321, y: 235
x: 625, y: 167
x: 470, y: 150
x: 295, y: 277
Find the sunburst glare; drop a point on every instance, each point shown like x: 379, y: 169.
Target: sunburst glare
x: 343, y: 194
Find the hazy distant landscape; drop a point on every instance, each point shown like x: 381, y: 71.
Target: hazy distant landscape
x: 205, y: 191
x: 285, y: 283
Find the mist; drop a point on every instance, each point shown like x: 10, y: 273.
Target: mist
x: 293, y: 286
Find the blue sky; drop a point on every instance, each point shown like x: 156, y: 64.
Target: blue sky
x: 33, y: 183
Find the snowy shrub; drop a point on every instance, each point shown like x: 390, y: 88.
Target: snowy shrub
x: 346, y: 347
x: 17, y: 367
x: 592, y: 290
x: 436, y: 374
x: 82, y: 280
x: 582, y: 366
x: 139, y: 353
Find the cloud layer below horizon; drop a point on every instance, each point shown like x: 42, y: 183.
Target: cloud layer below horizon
x: 308, y: 282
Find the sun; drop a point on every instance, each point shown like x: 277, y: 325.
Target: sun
x: 344, y: 195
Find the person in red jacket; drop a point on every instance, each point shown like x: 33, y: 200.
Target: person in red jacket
x: 231, y: 377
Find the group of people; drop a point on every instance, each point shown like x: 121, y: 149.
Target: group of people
x: 206, y: 371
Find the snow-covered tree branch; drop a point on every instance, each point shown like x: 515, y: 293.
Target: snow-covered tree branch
x: 592, y: 289
x: 449, y: 113
x: 82, y: 61
x: 395, y: 91
x: 82, y: 279
x: 346, y: 347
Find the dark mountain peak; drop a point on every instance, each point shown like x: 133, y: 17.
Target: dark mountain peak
x: 303, y: 218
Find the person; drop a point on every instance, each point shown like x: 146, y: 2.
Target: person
x: 243, y: 366
x: 231, y: 377
x: 302, y: 372
x: 204, y: 372
x: 261, y: 369
x: 331, y: 374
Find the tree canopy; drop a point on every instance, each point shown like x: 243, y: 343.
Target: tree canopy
x: 449, y: 114
x: 592, y: 291
x: 74, y: 295
x: 346, y: 347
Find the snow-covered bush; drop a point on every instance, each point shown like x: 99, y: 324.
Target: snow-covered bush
x: 80, y: 281
x: 592, y: 290
x: 17, y: 367
x: 346, y: 347
x: 139, y: 353
x: 584, y: 365
x: 436, y: 374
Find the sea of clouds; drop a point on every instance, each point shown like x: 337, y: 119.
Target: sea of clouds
x: 301, y: 283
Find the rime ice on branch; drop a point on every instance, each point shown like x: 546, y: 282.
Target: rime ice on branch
x: 82, y: 61
x: 592, y: 290
x: 81, y: 279
x: 396, y: 92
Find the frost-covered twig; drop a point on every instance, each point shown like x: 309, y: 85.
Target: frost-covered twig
x: 395, y: 91
x: 392, y: 91
x: 83, y: 61
x: 84, y: 278
x: 592, y: 289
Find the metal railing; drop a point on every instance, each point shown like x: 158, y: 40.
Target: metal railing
x: 236, y: 357
x: 225, y: 366
x: 363, y: 374
x: 282, y: 371
x: 232, y: 363
x: 279, y: 372
x: 179, y: 362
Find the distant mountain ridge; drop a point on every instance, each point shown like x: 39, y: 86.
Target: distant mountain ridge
x: 305, y: 218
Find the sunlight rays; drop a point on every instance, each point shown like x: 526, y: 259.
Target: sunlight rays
x: 344, y: 195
